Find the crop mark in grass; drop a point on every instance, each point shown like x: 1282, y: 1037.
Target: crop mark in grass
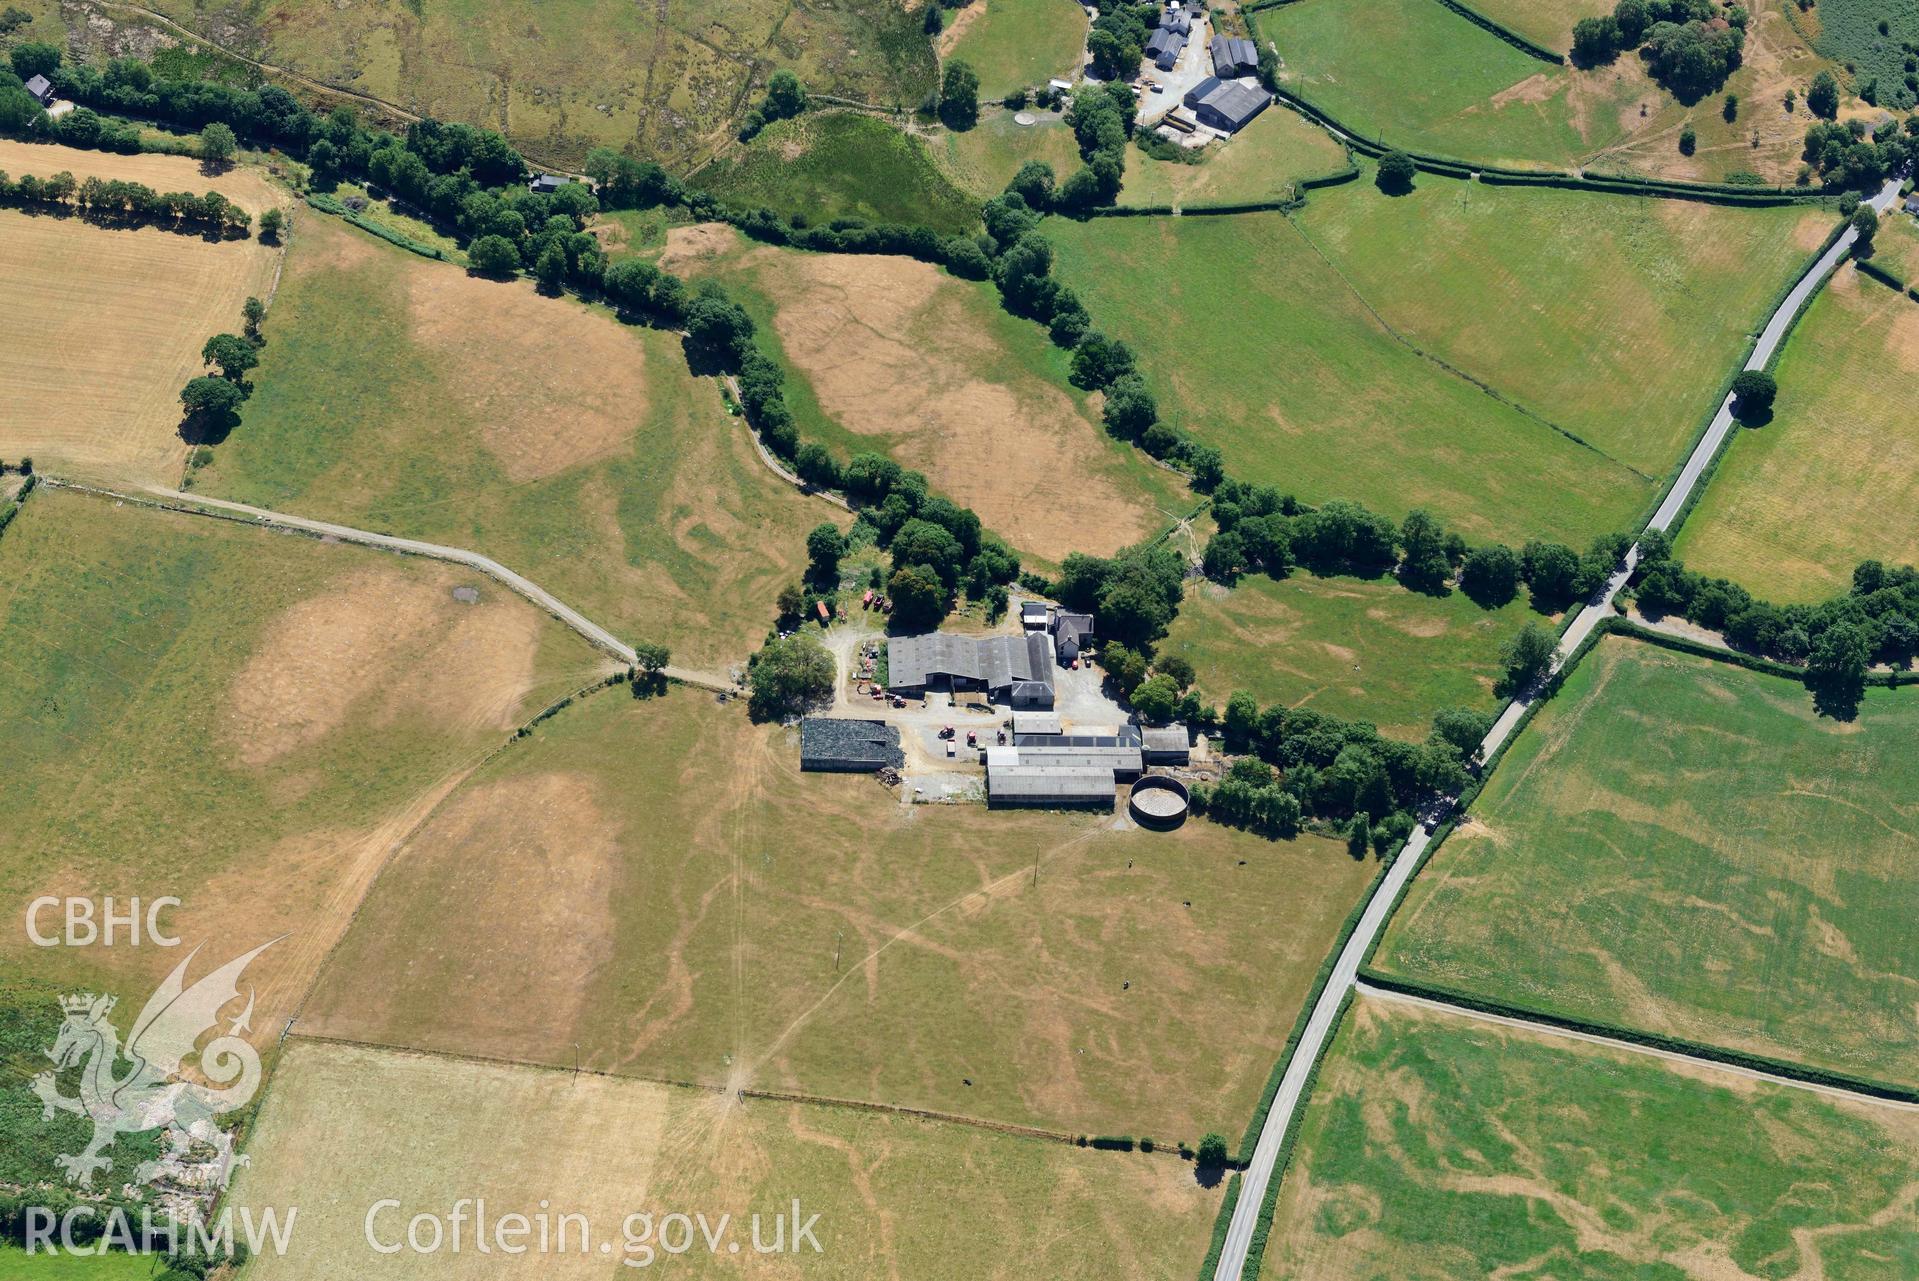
x: 1454, y: 370
x: 984, y: 894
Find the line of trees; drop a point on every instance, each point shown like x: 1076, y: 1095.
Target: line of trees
x: 1836, y: 640
x: 1261, y: 530
x: 112, y: 199
x: 211, y: 401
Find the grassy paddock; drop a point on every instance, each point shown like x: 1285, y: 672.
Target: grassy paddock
x: 889, y: 1192
x: 1017, y: 44
x: 1440, y: 1147
x: 400, y: 394
x: 241, y: 719
x: 983, y: 159
x: 834, y: 164
x: 710, y: 914
x: 1746, y: 883
x: 1796, y: 504
x: 1365, y: 649
x: 1258, y: 345
x: 1261, y: 162
x: 1614, y: 317
x: 18, y: 1265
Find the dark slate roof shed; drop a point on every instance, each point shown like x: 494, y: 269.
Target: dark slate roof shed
x: 41, y: 88
x: 848, y: 745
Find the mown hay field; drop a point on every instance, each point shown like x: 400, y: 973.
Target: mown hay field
x: 401, y: 394
x: 1615, y: 318
x: 1479, y: 99
x: 1261, y: 162
x: 345, y: 1126
x: 657, y: 884
x: 1016, y: 44
x: 840, y: 164
x: 559, y: 77
x: 896, y: 356
x: 1683, y: 846
x: 1255, y: 343
x: 106, y: 323
x: 1833, y: 479
x: 1365, y: 649
x: 245, y: 720
x: 1439, y: 1147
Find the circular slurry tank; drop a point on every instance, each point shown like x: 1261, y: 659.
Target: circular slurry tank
x: 1159, y: 801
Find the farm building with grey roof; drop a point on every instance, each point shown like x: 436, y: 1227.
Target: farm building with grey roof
x: 1226, y: 105
x: 849, y: 746
x: 1012, y: 669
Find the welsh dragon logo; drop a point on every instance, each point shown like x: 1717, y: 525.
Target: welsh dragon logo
x: 150, y: 1093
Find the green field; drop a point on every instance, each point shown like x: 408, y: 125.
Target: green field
x: 400, y: 394
x: 1437, y: 1147
x: 18, y: 1265
x: 1255, y: 343
x: 984, y: 159
x: 841, y: 164
x: 1474, y: 96
x: 345, y: 1126
x: 1017, y: 44
x: 1479, y: 99
x: 1615, y: 318
x: 1364, y: 649
x: 890, y: 354
x: 559, y: 77
x: 240, y: 719
x: 710, y: 914
x: 1833, y: 478
x: 1546, y: 22
x: 1261, y: 162
x: 1683, y: 846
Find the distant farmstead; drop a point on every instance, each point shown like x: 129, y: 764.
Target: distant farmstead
x: 42, y: 90
x: 1226, y: 105
x: 546, y: 184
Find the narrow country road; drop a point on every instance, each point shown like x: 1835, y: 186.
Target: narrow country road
x: 197, y: 505
x: 1619, y: 1043
x: 1345, y: 974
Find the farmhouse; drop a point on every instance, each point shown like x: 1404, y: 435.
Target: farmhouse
x: 546, y: 184
x: 849, y: 746
x: 1233, y: 57
x: 1226, y: 105
x: 1017, y: 670
x: 42, y: 89
x: 1071, y: 633
x: 1175, y: 19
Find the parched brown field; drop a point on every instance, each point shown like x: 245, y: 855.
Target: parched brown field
x: 104, y: 325
x: 1829, y: 482
x: 402, y: 394
x: 246, y: 720
x: 344, y: 1127
x: 656, y: 884
x: 898, y: 356
x: 245, y: 186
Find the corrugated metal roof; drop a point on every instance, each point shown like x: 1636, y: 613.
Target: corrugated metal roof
x: 998, y: 662
x: 1051, y: 784
x: 1036, y: 723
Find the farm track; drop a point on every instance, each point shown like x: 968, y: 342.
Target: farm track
x: 196, y: 505
x: 1344, y: 979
